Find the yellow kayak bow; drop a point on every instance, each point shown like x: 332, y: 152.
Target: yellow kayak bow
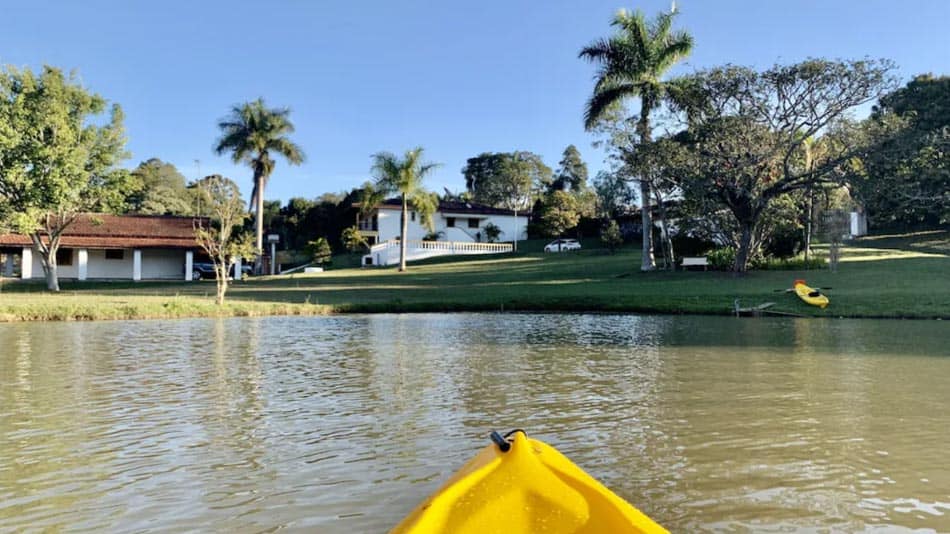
x: 522, y: 485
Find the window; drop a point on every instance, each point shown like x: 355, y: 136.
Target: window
x: 64, y: 256
x: 450, y: 222
x: 473, y: 223
x: 115, y: 254
x: 412, y: 216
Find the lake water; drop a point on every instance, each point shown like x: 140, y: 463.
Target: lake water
x: 343, y: 424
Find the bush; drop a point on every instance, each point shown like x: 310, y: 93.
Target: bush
x: 319, y: 250
x: 353, y: 240
x: 722, y: 259
x: 611, y: 237
x: 492, y: 232
x: 784, y: 242
x: 790, y: 264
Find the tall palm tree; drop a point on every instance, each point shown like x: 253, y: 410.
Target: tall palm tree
x: 632, y: 63
x: 253, y: 133
x: 405, y: 176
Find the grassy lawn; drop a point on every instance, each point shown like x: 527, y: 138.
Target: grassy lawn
x: 887, y: 276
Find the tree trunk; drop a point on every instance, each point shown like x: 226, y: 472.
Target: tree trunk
x: 52, y: 278
x: 47, y: 260
x: 810, y: 215
x: 667, y: 238
x: 402, y: 235
x: 647, y: 261
x: 221, y: 269
x: 259, y: 224
x: 745, y: 246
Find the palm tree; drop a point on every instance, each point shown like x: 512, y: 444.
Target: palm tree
x: 632, y: 63
x: 404, y: 176
x: 252, y: 133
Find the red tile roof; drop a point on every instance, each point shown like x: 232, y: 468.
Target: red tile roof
x: 121, y: 231
x: 451, y: 206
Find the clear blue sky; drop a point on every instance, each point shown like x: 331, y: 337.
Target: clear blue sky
x: 457, y: 78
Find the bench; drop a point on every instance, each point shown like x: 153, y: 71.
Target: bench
x: 699, y: 261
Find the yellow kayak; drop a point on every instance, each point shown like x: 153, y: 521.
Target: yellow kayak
x: 810, y: 295
x: 530, y: 487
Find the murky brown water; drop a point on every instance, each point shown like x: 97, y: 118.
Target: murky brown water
x: 343, y: 424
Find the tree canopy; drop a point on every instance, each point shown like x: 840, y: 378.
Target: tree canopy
x: 59, y: 150
x: 746, y: 131
x: 159, y: 189
x: 509, y: 180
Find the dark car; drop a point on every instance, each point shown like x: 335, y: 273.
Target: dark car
x: 202, y: 271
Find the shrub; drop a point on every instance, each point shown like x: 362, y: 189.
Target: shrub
x: 433, y: 236
x: 791, y: 264
x: 611, y: 237
x: 785, y: 242
x: 319, y: 250
x: 353, y: 240
x: 492, y: 232
x: 722, y: 259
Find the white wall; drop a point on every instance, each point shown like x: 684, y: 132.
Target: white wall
x: 163, y: 264
x: 63, y: 271
x: 509, y: 224
x: 156, y: 264
x: 100, y: 267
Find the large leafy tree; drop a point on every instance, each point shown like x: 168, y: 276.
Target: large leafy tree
x: 405, y: 176
x: 509, y: 180
x: 905, y: 180
x: 558, y: 213
x: 59, y: 150
x: 632, y: 63
x: 571, y: 173
x: 159, y: 189
x: 746, y: 142
x: 254, y: 134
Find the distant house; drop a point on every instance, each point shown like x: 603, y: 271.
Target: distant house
x: 112, y: 247
x: 462, y: 222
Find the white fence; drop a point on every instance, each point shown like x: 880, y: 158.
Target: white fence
x: 387, y: 253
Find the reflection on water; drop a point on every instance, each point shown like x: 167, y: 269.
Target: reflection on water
x: 343, y: 424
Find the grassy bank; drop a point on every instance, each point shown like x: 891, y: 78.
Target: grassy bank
x: 893, y: 276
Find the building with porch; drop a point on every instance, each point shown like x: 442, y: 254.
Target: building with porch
x: 461, y: 222
x: 111, y: 247
x: 458, y: 229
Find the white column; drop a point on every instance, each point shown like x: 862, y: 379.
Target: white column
x: 26, y: 263
x: 189, y: 264
x: 238, y: 274
x: 136, y: 265
x: 83, y: 264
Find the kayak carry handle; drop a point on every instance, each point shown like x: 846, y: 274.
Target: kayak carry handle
x: 502, y: 441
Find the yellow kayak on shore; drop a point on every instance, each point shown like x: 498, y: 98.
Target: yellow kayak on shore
x: 810, y: 295
x: 521, y: 485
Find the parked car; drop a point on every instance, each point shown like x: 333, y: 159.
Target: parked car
x: 562, y: 244
x: 202, y: 271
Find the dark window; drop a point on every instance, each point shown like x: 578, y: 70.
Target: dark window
x: 473, y: 223
x: 64, y: 256
x: 115, y: 254
x: 450, y: 222
x: 413, y: 216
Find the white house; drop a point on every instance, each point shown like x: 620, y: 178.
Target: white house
x: 462, y: 222
x: 111, y: 247
x: 458, y: 228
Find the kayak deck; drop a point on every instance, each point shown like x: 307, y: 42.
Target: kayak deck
x: 529, y: 488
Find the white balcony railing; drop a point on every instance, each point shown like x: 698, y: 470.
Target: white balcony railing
x: 387, y: 252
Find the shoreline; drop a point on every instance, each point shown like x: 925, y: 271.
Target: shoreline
x: 175, y: 310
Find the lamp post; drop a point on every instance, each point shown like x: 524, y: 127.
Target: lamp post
x: 273, y: 239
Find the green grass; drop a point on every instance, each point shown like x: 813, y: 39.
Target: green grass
x: 878, y: 277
